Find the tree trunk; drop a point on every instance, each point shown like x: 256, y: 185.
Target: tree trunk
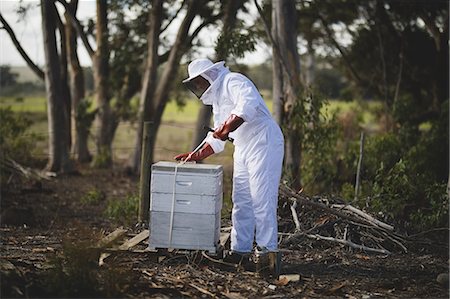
x: 101, y: 72
x: 170, y: 70
x: 310, y: 73
x: 59, y: 160
x: 79, y: 123
x: 284, y: 20
x: 277, y: 77
x: 146, y: 108
x: 205, y: 113
x: 64, y: 81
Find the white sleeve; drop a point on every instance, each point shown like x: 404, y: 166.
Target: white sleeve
x: 245, y: 97
x: 216, y: 144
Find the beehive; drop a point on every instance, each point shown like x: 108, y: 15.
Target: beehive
x: 185, y: 205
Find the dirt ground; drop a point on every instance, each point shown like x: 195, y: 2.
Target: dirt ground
x: 47, y: 250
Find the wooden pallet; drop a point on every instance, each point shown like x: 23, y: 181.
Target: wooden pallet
x: 108, y: 248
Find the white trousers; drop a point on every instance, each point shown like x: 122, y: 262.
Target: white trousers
x: 256, y: 179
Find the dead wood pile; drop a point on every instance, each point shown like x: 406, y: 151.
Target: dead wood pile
x: 319, y: 221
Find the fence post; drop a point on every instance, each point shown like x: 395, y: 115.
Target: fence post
x: 358, y: 169
x: 144, y: 184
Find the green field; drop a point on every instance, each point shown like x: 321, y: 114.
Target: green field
x: 176, y: 131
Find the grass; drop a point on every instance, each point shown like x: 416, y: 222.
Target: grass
x: 28, y: 104
x: 176, y: 131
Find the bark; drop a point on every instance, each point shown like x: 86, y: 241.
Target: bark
x: 58, y: 148
x: 310, y: 73
x: 65, y: 79
x: 146, y: 108
x: 80, y: 149
x: 284, y: 20
x: 277, y: 77
x: 78, y: 28
x: 104, y: 134
x: 204, y: 116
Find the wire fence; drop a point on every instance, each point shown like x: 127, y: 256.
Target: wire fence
x: 122, y: 149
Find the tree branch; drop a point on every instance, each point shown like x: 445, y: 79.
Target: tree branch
x: 207, y: 22
x: 174, y: 17
x: 37, y: 70
x: 340, y: 49
x: 349, y: 243
x: 78, y: 28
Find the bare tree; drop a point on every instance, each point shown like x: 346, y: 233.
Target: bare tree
x: 79, y: 116
x: 100, y: 59
x: 154, y: 96
x: 59, y: 160
x: 104, y: 134
x: 146, y: 108
x: 286, y: 82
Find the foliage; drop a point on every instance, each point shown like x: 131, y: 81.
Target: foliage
x: 85, y: 115
x: 102, y: 159
x: 405, y: 174
x: 7, y: 78
x: 319, y: 144
x: 435, y: 214
x: 331, y: 82
x: 236, y: 42
x: 128, y: 45
x: 14, y: 143
x: 123, y: 210
x: 92, y: 197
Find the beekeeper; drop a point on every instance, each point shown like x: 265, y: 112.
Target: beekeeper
x: 239, y: 112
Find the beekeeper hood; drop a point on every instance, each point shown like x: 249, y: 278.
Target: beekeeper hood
x: 203, y: 73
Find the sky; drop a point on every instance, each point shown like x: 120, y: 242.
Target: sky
x: 29, y: 33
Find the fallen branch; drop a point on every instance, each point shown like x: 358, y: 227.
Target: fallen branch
x: 219, y: 261
x: 26, y: 172
x: 348, y: 243
x: 206, y: 292
x: 294, y: 216
x: 364, y: 215
x: 316, y: 205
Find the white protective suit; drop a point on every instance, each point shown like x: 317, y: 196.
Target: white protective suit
x: 258, y: 157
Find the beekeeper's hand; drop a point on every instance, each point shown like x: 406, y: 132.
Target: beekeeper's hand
x: 231, y: 124
x: 201, y: 154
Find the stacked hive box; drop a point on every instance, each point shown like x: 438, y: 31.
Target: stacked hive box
x: 187, y: 200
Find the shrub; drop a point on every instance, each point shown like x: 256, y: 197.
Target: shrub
x: 405, y: 174
x: 124, y: 211
x: 14, y: 143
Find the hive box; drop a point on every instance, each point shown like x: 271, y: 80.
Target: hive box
x: 195, y: 195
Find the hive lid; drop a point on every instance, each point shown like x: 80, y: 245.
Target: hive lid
x: 188, y: 167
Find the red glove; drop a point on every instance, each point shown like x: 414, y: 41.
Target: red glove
x: 201, y: 154
x: 231, y: 124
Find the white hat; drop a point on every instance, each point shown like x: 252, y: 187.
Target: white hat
x: 199, y: 66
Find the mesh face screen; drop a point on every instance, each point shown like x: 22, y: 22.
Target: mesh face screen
x: 198, y: 86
